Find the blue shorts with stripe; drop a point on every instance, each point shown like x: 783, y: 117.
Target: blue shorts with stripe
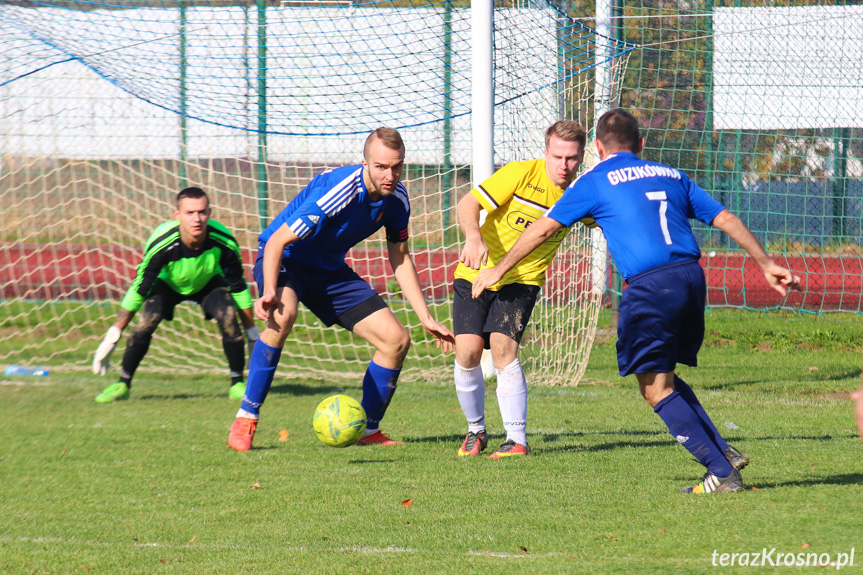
x: 335, y: 296
x: 661, y: 319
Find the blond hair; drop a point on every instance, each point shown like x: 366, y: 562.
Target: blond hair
x: 568, y: 131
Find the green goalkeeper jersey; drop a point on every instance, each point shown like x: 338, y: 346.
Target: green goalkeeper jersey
x: 188, y: 271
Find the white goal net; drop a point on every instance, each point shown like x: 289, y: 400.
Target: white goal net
x: 108, y: 110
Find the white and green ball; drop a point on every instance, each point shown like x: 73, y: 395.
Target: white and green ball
x: 339, y: 421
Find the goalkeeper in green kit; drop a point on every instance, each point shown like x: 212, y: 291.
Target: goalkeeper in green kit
x: 190, y: 259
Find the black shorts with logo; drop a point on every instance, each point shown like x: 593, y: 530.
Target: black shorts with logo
x: 505, y: 311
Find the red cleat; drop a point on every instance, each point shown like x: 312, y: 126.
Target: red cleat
x: 242, y: 433
x: 510, y: 449
x: 378, y: 438
x: 474, y: 444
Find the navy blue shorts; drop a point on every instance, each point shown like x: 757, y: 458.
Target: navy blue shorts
x: 661, y: 319
x: 335, y: 296
x: 505, y: 311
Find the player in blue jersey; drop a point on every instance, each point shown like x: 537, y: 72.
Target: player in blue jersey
x: 301, y: 258
x: 643, y: 209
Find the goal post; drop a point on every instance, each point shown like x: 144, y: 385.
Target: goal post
x: 107, y: 110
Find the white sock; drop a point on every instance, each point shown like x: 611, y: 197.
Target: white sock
x: 512, y: 399
x: 487, y: 365
x: 470, y: 388
x: 247, y: 415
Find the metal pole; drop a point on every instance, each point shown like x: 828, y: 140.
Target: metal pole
x: 601, y: 104
x: 263, y: 191
x: 840, y: 181
x: 446, y: 167
x: 184, y: 134
x: 707, y: 133
x: 482, y: 89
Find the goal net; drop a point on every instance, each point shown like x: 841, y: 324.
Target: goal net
x: 107, y: 110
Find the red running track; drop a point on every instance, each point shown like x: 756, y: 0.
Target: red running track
x: 84, y: 272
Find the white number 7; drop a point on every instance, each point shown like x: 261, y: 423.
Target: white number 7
x: 663, y: 207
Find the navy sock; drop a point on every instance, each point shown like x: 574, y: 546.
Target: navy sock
x: 686, y: 427
x: 379, y: 384
x: 689, y: 397
x: 262, y: 368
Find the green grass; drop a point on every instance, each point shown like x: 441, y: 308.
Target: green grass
x: 149, y: 486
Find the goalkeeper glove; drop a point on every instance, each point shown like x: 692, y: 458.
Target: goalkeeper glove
x: 102, y: 361
x: 252, y: 335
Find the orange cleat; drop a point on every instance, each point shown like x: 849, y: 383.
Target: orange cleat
x: 378, y: 438
x: 242, y: 433
x: 509, y: 449
x: 474, y: 444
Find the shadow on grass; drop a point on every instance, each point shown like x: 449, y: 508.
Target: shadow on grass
x: 846, y: 479
x: 171, y: 396
x: 851, y: 374
x: 298, y: 389
x: 305, y: 389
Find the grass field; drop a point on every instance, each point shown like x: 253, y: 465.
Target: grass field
x: 149, y: 486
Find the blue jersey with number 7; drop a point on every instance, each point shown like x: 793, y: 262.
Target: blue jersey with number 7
x: 643, y: 209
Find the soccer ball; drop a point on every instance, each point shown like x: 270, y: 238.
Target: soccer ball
x: 339, y: 421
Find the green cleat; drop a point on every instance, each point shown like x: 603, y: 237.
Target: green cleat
x: 238, y: 390
x: 114, y: 392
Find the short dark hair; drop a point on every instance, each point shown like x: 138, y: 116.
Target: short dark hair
x: 191, y: 193
x: 618, y: 130
x: 568, y: 131
x: 390, y: 138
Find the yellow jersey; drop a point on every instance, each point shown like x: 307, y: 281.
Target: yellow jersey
x: 514, y: 197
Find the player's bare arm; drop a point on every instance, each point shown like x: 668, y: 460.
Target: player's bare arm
x: 534, y: 236
x: 123, y: 319
x: 283, y: 237
x: 475, y: 253
x: 777, y: 276
x: 406, y: 275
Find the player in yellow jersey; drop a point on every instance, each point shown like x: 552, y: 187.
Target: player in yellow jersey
x: 515, y: 196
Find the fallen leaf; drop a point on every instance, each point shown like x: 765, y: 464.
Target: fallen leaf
x: 662, y: 530
x: 612, y: 537
x: 63, y: 454
x: 256, y: 485
x: 283, y: 435
x: 163, y: 560
x: 407, y: 502
x: 85, y: 568
x: 812, y: 368
x: 523, y: 548
x: 806, y: 545
x: 192, y: 540
x: 754, y: 488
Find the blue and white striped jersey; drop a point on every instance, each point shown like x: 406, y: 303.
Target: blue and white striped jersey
x: 333, y: 213
x: 643, y: 209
